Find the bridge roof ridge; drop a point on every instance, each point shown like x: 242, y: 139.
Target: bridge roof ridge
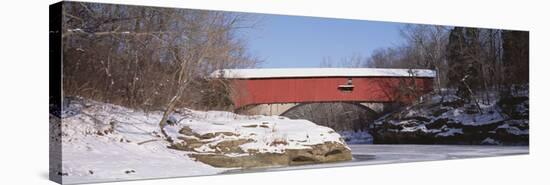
x: 321, y: 72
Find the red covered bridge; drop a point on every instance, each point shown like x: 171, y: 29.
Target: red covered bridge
x: 276, y: 91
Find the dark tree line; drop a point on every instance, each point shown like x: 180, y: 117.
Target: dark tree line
x: 483, y: 60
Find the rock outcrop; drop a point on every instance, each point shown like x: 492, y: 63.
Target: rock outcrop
x: 320, y: 153
x: 256, y: 141
x: 451, y: 120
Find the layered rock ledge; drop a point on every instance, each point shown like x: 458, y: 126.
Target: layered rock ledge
x: 224, y: 139
x: 451, y: 120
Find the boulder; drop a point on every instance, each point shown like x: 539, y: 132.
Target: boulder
x: 320, y: 153
x: 248, y: 142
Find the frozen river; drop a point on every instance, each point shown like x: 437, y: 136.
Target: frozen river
x: 382, y: 154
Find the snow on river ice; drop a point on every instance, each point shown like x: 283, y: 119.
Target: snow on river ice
x: 368, y: 154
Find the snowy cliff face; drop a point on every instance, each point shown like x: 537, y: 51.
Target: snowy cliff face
x: 451, y: 120
x: 105, y: 142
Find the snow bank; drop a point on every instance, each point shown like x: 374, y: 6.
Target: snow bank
x: 100, y: 144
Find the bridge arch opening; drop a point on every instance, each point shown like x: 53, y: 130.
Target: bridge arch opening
x: 353, y: 121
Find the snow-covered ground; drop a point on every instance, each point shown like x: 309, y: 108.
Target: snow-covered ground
x: 92, y: 153
x: 104, y: 142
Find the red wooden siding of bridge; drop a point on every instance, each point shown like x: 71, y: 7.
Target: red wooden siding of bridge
x: 325, y: 89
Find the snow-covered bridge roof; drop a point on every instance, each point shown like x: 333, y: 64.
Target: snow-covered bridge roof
x: 321, y: 72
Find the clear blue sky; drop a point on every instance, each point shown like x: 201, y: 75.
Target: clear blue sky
x: 296, y: 41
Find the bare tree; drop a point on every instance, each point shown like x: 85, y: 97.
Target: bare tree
x: 427, y: 44
x: 204, y: 45
x: 147, y: 57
